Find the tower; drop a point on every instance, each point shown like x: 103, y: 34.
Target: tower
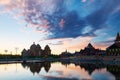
x: 117, y: 38
x: 114, y: 49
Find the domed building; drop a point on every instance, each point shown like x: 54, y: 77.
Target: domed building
x: 35, y: 50
x: 38, y: 49
x: 114, y: 49
x: 46, y: 51
x: 25, y: 52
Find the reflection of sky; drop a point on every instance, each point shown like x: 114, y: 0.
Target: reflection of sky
x: 102, y: 74
x: 70, y: 71
x: 57, y: 71
x: 16, y: 72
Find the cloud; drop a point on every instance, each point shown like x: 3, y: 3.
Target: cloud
x: 87, y: 29
x: 62, y: 18
x: 100, y: 16
x: 51, y: 15
x: 61, y: 23
x: 4, y: 2
x: 84, y: 0
x: 56, y: 43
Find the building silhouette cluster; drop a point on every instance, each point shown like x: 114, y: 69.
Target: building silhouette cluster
x: 88, y: 50
x: 112, y: 50
x: 35, y: 50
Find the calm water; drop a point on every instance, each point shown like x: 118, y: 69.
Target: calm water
x: 58, y: 71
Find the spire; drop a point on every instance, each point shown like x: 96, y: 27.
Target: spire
x: 90, y: 46
x: 33, y: 42
x: 117, y: 38
x: 66, y: 51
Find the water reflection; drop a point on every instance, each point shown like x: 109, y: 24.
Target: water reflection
x: 36, y: 67
x: 60, y: 71
x: 99, y: 71
x: 102, y: 74
x: 90, y: 67
x: 96, y: 71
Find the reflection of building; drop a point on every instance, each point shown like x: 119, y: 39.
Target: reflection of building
x: 114, y: 49
x: 36, y: 67
x: 115, y: 70
x: 35, y: 50
x: 47, y: 66
x: 91, y: 67
x: 90, y: 50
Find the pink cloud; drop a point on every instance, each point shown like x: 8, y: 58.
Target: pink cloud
x: 84, y: 0
x: 61, y: 23
x: 4, y: 2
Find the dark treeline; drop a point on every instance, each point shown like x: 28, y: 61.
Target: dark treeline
x: 9, y: 56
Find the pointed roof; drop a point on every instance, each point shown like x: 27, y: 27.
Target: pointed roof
x: 33, y: 46
x: 90, y: 46
x: 117, y: 37
x: 47, y: 47
x: 114, y: 46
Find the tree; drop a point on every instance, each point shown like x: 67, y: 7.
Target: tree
x: 6, y: 51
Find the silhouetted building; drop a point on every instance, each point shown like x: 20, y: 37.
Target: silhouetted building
x: 65, y: 54
x: 114, y: 49
x: 90, y: 50
x: 35, y: 50
x: 24, y: 52
x: 46, y: 51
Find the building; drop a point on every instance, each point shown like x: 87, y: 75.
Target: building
x: 114, y: 49
x: 65, y: 54
x: 35, y: 50
x: 90, y: 50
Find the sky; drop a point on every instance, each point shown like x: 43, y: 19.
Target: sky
x: 62, y: 24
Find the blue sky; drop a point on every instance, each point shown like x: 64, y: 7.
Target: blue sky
x: 59, y: 23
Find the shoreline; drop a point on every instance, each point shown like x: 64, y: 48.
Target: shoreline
x: 85, y: 59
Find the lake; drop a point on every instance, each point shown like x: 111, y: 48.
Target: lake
x: 59, y: 71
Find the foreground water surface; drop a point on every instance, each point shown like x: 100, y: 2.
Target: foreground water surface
x: 59, y: 71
